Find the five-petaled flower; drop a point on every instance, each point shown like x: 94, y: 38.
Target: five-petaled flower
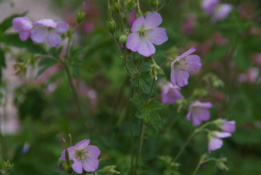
x: 182, y: 65
x: 84, y: 156
x: 145, y: 33
x: 214, y: 139
x: 24, y: 26
x: 170, y: 94
x: 50, y: 30
x: 199, y: 112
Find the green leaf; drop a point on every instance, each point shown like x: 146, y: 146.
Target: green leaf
x: 146, y: 109
x: 7, y: 23
x: 145, y: 82
x: 13, y: 40
x: 155, y: 121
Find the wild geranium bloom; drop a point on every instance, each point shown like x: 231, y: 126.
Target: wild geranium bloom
x: 214, y: 140
x: 84, y: 156
x: 221, y: 12
x: 182, y: 65
x: 24, y: 26
x: 48, y: 29
x: 199, y: 112
x: 145, y: 33
x: 227, y: 126
x: 170, y: 94
x: 209, y: 5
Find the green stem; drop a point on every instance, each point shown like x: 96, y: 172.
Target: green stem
x: 131, y: 130
x: 139, y: 145
x: 197, y: 167
x: 189, y: 138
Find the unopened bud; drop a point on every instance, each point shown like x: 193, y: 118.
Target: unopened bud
x: 123, y: 39
x: 111, y: 26
x: 155, y: 70
x: 80, y: 16
x: 7, y: 166
x: 218, y: 83
x: 221, y: 165
x: 130, y: 4
x: 110, y: 170
x: 200, y: 93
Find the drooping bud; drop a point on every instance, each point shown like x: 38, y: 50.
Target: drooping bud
x: 80, y: 15
x: 155, y: 70
x: 110, y: 170
x: 111, y: 24
x: 221, y: 165
x: 123, y: 39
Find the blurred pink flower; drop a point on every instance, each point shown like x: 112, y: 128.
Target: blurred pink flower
x: 199, y: 112
x: 48, y: 29
x: 189, y: 24
x: 256, y: 58
x: 209, y: 5
x: 250, y: 77
x: 221, y: 12
x: 132, y: 17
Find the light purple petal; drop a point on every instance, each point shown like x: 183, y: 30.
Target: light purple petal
x: 46, y: 23
x: 187, y: 53
x: 209, y: 5
x: 229, y: 126
x: 90, y: 164
x: 192, y: 61
x: 223, y: 134
x: 62, y: 27
x: 133, y: 42
x: 93, y: 151
x: 22, y: 24
x: 39, y: 34
x: 82, y: 144
x: 54, y: 39
x: 152, y: 20
x: 199, y: 115
x: 137, y: 24
x: 71, y: 152
x: 24, y: 35
x: 181, y: 75
x: 172, y: 74
x: 221, y: 12
x: 146, y: 47
x: 188, y: 116
x: 214, y: 143
x: 170, y: 94
x: 203, y: 105
x: 77, y: 166
x: 157, y: 35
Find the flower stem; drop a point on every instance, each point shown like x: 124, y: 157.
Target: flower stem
x: 139, y: 145
x: 131, y: 130
x: 197, y: 167
x: 190, y: 137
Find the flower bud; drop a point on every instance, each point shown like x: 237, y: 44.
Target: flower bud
x: 111, y: 26
x: 221, y: 165
x: 7, y: 166
x: 110, y: 170
x: 154, y: 70
x: 80, y: 16
x: 130, y: 4
x: 123, y: 39
x: 200, y: 93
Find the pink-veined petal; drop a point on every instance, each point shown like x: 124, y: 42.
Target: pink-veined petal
x: 137, y: 24
x: 133, y: 42
x: 92, y: 151
x: 22, y: 24
x: 39, y: 34
x: 146, y: 47
x: 24, y: 35
x: 214, y: 143
x: 77, y: 166
x: 152, y: 20
x: 157, y: 35
x: 192, y: 61
x: 181, y: 76
x: 223, y: 134
x: 90, y: 164
x: 62, y: 27
x: 71, y: 152
x: 82, y: 144
x: 54, y: 39
x: 187, y: 53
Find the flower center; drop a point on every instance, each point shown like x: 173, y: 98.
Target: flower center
x: 81, y: 154
x: 142, y: 32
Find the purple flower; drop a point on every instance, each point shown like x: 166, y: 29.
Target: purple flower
x: 214, y: 140
x: 170, y: 94
x: 84, y: 156
x: 227, y: 126
x: 145, y: 33
x: 209, y: 5
x: 182, y: 65
x: 48, y: 29
x: 221, y: 12
x: 199, y: 112
x: 132, y: 17
x: 24, y: 26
